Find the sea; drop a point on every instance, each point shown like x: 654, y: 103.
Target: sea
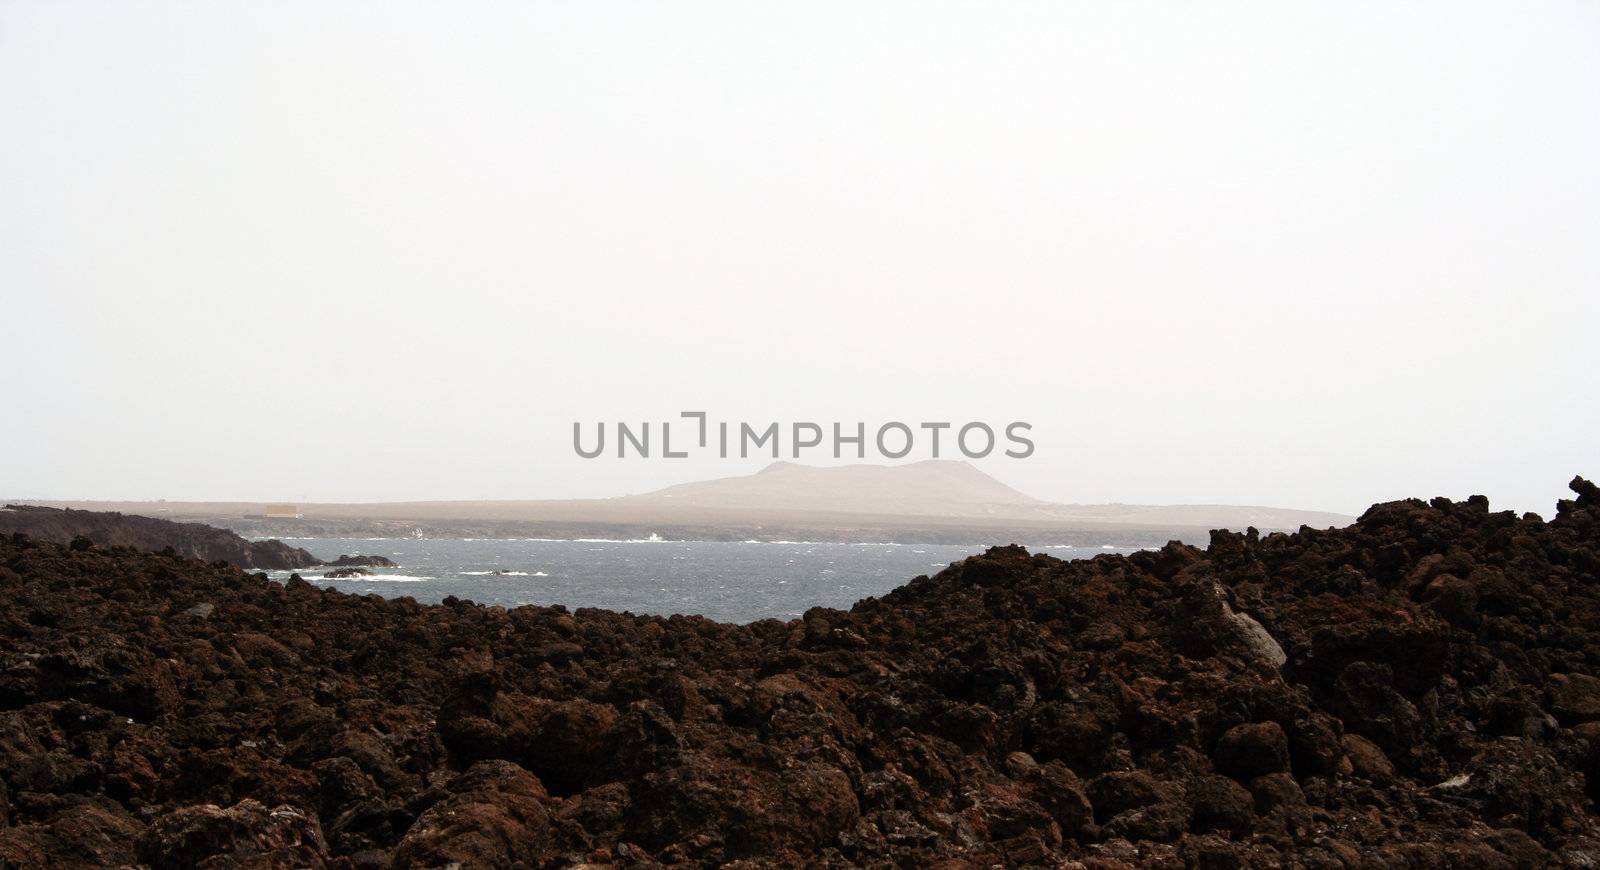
x: 727, y: 581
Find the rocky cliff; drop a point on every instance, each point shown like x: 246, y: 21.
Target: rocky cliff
x: 192, y: 540
x: 1421, y: 689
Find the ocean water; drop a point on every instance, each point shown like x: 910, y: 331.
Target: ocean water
x: 726, y: 581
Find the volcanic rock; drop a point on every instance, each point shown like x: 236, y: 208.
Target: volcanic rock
x: 361, y: 562
x: 1436, y: 703
x: 1366, y: 759
x: 244, y: 835
x: 84, y: 529
x: 346, y: 573
x: 1257, y: 749
x: 495, y: 816
x: 1575, y: 697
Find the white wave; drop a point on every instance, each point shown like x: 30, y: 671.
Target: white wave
x: 504, y: 574
x: 377, y: 578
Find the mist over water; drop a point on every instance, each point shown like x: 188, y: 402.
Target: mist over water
x: 725, y: 581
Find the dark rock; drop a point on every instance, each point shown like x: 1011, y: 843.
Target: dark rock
x: 247, y: 834
x: 82, y: 834
x: 1248, y: 751
x: 1454, y: 599
x: 1158, y: 823
x: 1575, y: 697
x: 1366, y: 759
x: 1011, y: 710
x: 1314, y: 746
x: 1277, y: 792
x: 1220, y: 804
x: 1117, y: 792
x: 1517, y: 784
x: 1371, y: 706
x: 346, y: 573
x: 478, y: 721
x: 1207, y: 625
x: 570, y: 741
x: 1064, y: 798
x: 361, y: 562
x: 1279, y: 798
x: 86, y: 529
x: 495, y: 816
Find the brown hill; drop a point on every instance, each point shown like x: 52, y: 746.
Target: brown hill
x: 947, y: 489
x: 932, y: 487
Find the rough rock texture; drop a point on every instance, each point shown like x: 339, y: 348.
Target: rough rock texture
x: 110, y: 529
x: 1437, y: 705
x: 362, y: 562
x: 347, y: 573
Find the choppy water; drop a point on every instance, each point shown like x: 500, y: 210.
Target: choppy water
x: 726, y: 581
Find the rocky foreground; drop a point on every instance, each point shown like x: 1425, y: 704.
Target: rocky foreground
x: 1418, y: 690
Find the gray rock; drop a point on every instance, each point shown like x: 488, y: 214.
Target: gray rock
x: 1256, y: 637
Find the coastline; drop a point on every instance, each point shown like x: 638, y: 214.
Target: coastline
x: 1245, y: 703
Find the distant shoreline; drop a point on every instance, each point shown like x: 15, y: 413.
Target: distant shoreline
x: 663, y: 540
x: 719, y: 526
x: 982, y: 535
x: 927, y: 502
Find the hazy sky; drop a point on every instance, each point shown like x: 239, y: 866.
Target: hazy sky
x: 1296, y: 254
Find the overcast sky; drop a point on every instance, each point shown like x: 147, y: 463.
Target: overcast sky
x: 1303, y: 255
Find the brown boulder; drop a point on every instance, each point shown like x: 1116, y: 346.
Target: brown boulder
x: 247, y: 834
x: 495, y: 816
x: 1220, y: 804
x: 1248, y: 751
x: 1454, y: 599
x: 570, y: 739
x: 478, y: 721
x: 1574, y: 697
x: 1366, y: 759
x: 86, y: 835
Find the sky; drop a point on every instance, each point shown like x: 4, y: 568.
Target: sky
x: 1300, y: 255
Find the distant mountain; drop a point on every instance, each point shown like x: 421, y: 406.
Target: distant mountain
x: 945, y: 488
x: 934, y: 487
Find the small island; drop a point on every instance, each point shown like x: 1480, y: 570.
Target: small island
x: 346, y: 573
x: 359, y: 561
